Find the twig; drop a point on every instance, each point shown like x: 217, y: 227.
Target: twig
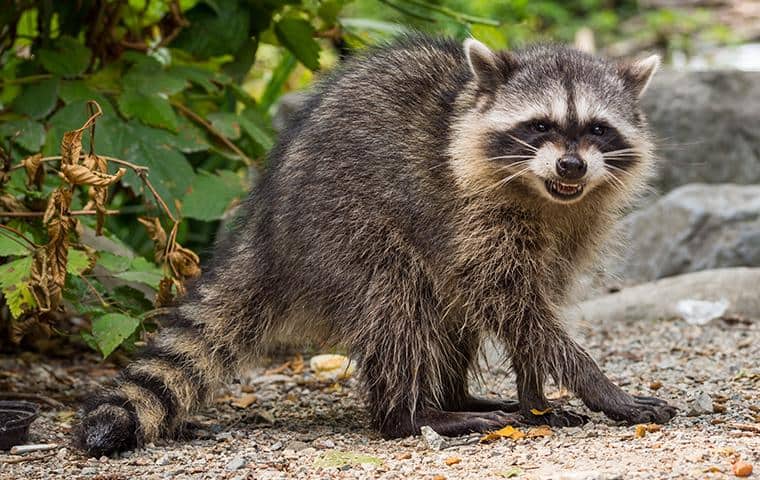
x: 143, y: 176
x: 462, y: 17
x: 747, y: 427
x: 95, y: 291
x: 194, y: 116
x: 23, y: 80
x: 40, y: 214
x: 134, y: 167
x: 21, y: 235
x: 37, y: 447
x: 31, y: 396
x: 28, y: 459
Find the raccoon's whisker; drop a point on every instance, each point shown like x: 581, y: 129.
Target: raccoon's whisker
x: 505, y: 181
x: 522, y: 142
x: 621, y: 151
x: 618, y: 169
x: 509, y: 156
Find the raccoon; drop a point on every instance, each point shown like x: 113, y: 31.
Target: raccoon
x: 429, y: 194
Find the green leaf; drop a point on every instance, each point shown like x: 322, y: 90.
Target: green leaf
x: 113, y: 263
x: 211, y: 195
x: 13, y: 283
x: 151, y: 109
x: 80, y: 91
x: 214, y: 31
x: 110, y: 330
x: 279, y: 76
x: 130, y: 299
x: 257, y: 127
x: 337, y: 459
x: 31, y: 134
x: 12, y: 245
x: 153, y: 82
x: 68, y: 58
x: 198, y: 76
x: 297, y: 35
x: 38, y: 99
x: 242, y: 61
x: 189, y: 138
x: 227, y: 123
x: 142, y: 271
x: 78, y: 262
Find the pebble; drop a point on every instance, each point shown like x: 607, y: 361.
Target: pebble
x: 297, y: 445
x: 700, y: 404
x: 235, y: 464
x: 275, y: 446
x: 164, y: 460
x: 89, y: 471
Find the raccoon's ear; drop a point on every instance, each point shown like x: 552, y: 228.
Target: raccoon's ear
x: 639, y: 73
x: 489, y: 68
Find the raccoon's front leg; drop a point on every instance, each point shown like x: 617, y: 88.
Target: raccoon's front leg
x: 551, y: 350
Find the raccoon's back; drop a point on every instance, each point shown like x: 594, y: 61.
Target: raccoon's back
x: 367, y: 154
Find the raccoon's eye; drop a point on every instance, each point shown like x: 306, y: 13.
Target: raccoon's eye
x: 540, y: 127
x: 598, y: 130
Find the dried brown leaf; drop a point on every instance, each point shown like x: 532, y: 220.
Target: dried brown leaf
x: 81, y: 175
x: 164, y: 296
x: 71, y: 147
x: 35, y: 171
x: 157, y: 234
x: 244, y: 401
x: 184, y: 263
x: 542, y: 431
x: 507, y: 432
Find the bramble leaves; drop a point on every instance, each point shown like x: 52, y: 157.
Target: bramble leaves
x: 68, y: 57
x: 211, y: 195
x: 111, y: 329
x: 298, y: 36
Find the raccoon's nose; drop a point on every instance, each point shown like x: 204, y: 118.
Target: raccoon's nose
x: 571, y: 167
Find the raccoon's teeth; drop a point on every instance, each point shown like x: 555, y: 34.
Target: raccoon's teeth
x: 564, y: 189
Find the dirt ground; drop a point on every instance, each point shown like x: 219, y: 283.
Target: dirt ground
x: 289, y: 424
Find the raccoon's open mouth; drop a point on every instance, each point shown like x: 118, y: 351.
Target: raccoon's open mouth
x: 564, y: 191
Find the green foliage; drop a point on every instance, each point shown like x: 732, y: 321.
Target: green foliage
x: 186, y: 89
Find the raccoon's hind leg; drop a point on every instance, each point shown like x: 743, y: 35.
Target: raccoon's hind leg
x: 203, y: 343
x: 404, y: 355
x: 456, y: 392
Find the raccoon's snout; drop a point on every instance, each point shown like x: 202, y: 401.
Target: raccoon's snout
x: 571, y: 167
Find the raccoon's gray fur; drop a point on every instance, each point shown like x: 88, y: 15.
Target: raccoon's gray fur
x: 427, y: 195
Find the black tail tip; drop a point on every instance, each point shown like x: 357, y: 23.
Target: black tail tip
x: 106, y: 429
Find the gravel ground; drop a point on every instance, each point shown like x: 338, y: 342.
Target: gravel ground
x: 297, y: 426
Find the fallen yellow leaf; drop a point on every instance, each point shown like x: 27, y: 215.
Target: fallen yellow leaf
x: 245, y: 401
x: 641, y: 430
x: 540, y: 412
x: 542, y: 431
x: 452, y: 461
x: 507, y: 432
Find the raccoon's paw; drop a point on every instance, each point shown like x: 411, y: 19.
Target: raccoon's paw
x: 106, y: 429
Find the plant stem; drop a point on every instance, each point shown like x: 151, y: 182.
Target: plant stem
x: 40, y: 214
x: 197, y: 118
x: 20, y: 235
x: 461, y: 17
x: 23, y: 80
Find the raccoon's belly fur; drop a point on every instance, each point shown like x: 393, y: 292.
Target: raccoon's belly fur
x: 359, y: 234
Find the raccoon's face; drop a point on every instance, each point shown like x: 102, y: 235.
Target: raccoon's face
x: 557, y: 120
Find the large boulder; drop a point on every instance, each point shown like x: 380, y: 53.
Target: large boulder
x: 735, y: 290
x: 695, y: 227
x: 707, y: 125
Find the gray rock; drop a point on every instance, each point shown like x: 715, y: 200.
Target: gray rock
x: 695, y: 227
x: 89, y: 471
x: 235, y: 464
x: 700, y: 404
x: 659, y: 299
x: 164, y: 460
x: 707, y: 126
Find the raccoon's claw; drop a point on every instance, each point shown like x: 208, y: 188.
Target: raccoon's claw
x: 556, y: 418
x: 642, y: 410
x: 105, y: 430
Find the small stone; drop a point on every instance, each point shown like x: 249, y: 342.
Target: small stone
x: 700, y: 404
x: 432, y: 439
x: 235, y: 464
x: 452, y: 461
x: 89, y: 471
x: 655, y: 385
x: 275, y: 446
x: 62, y: 452
x: 223, y: 436
x: 403, y: 456
x: 325, y: 443
x: 297, y: 445
x: 103, y: 459
x: 164, y: 460
x: 742, y: 469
